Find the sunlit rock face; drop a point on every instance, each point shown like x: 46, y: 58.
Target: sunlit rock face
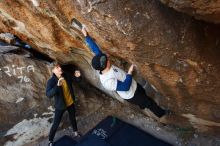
x: 22, y: 88
x: 22, y: 94
x: 207, y: 10
x: 178, y: 55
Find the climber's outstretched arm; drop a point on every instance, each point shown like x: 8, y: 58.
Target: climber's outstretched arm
x: 91, y: 43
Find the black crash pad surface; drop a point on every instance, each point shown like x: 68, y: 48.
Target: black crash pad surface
x: 114, y: 132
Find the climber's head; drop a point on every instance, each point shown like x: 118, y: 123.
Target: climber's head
x: 100, y: 62
x: 56, y: 68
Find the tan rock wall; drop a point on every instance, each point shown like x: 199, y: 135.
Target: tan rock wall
x: 174, y: 52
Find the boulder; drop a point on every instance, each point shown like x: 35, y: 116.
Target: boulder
x: 200, y: 9
x: 22, y: 91
x: 176, y: 54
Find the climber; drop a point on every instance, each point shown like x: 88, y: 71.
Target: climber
x: 115, y: 79
x: 59, y: 87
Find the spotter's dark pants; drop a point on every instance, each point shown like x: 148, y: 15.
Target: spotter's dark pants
x: 57, y: 118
